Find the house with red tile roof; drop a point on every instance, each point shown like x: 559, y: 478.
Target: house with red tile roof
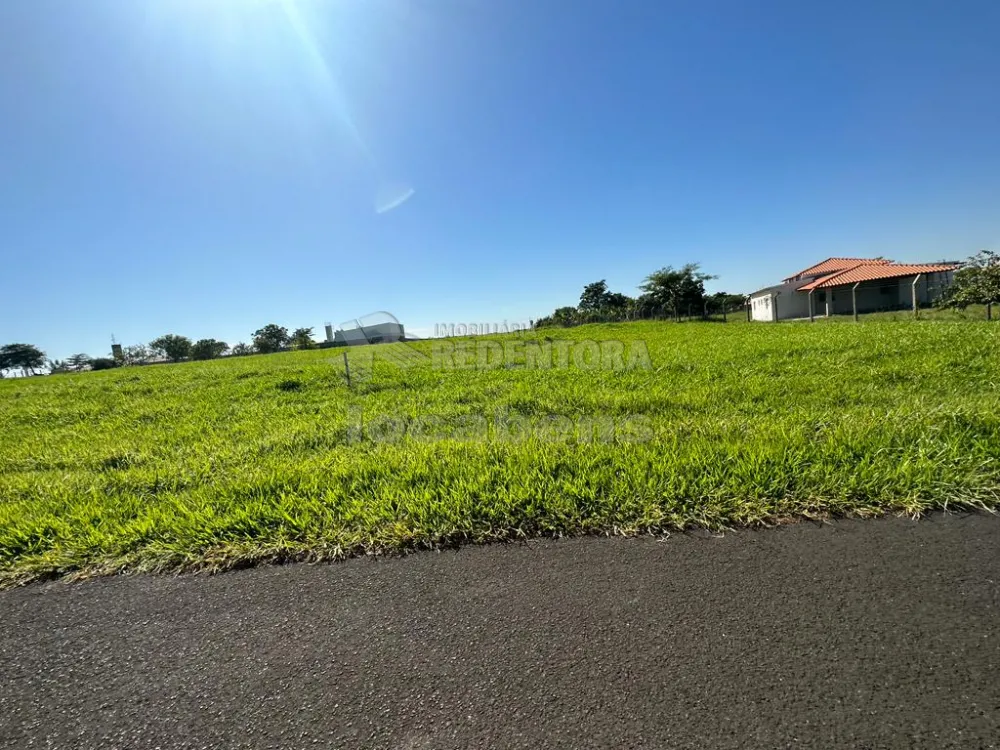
x: 839, y: 286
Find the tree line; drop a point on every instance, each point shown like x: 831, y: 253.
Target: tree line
x: 666, y: 293
x: 27, y: 360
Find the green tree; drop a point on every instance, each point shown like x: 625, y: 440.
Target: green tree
x: 597, y: 303
x: 23, y: 357
x: 618, y: 304
x: 241, y: 350
x: 724, y: 301
x: 58, y: 367
x: 208, y: 349
x: 976, y: 283
x: 173, y: 347
x: 137, y: 354
x: 668, y: 290
x: 677, y: 290
x: 594, y: 297
x: 563, y: 316
x: 566, y: 316
x: 270, y: 338
x: 78, y: 362
x: 302, y: 338
x: 103, y: 363
x: 647, y: 307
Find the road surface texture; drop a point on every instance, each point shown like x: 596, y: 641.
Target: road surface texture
x: 855, y: 634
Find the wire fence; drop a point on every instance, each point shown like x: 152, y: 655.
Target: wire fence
x: 707, y: 310
x: 885, y: 295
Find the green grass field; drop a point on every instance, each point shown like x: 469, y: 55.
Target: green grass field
x: 223, y: 463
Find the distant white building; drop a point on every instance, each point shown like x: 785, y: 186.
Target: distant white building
x: 377, y: 328
x: 847, y: 285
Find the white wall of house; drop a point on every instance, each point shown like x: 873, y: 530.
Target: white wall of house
x: 793, y: 305
x: 762, y: 308
x: 882, y: 294
x: 772, y: 306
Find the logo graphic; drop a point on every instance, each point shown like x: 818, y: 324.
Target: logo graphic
x: 378, y: 340
x: 363, y: 339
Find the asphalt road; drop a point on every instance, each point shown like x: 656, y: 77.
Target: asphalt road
x: 855, y: 634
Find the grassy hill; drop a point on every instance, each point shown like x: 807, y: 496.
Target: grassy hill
x: 223, y: 463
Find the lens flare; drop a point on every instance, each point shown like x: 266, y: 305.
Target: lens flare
x: 321, y: 68
x: 389, y: 195
x: 392, y: 197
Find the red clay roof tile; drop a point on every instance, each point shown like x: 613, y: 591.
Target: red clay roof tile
x: 869, y: 272
x: 833, y: 265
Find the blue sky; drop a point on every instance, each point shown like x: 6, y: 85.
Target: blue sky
x: 205, y: 167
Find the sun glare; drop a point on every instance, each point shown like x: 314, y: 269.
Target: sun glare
x: 293, y: 41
